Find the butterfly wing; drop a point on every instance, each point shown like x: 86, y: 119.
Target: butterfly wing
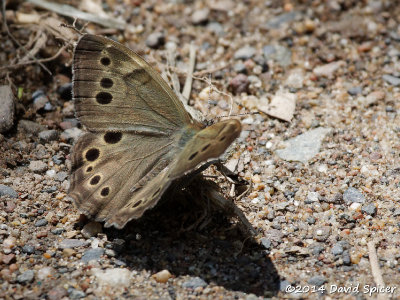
x: 110, y: 169
x: 194, y: 148
x: 115, y: 89
x: 141, y: 138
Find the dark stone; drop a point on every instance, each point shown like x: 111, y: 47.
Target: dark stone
x: 369, y: 209
x: 7, y: 191
x: 26, y: 277
x: 41, y: 222
x: 352, y: 195
x: 28, y: 249
x: 65, y: 91
x: 317, y: 280
x: 92, y: 254
x: 194, y: 283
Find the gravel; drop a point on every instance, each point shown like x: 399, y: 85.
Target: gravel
x: 316, y: 175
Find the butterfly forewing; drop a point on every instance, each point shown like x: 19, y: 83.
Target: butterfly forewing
x: 115, y: 89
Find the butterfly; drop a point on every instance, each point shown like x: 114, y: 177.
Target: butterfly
x: 140, y: 137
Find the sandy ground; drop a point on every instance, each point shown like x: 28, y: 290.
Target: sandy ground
x: 323, y: 185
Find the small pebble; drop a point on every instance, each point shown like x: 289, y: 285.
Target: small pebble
x: 313, y: 197
x: 155, y: 40
x: 311, y: 220
x: 48, y: 135
x: 346, y: 258
x: 41, y: 222
x: 337, y: 249
x: 369, y: 209
x: 244, y: 53
x: 37, y: 166
x: 328, y: 70
x: 68, y: 252
x: 57, y: 293
x: 7, y: 108
x: 57, y: 231
x: 8, y: 258
x: 321, y: 234
x: 317, y: 280
x: 113, y: 277
x: 200, y: 17
x: 75, y: 294
x: 40, y: 102
x: 355, y: 90
x: 8, y: 191
x: 9, y: 242
x: 65, y: 91
x: 194, y: 283
x: 392, y: 80
x: 239, y: 84
x: 45, y: 273
x: 61, y: 176
x: 354, y: 206
x: 266, y: 243
x: 72, y: 243
x: 26, y: 277
x: 91, y: 229
x: 92, y: 254
x: 28, y: 249
x: 240, y: 68
x: 30, y: 127
x: 71, y: 135
x: 274, y: 235
x: 162, y: 276
x: 353, y: 195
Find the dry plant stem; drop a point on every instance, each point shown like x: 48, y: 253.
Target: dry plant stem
x: 189, y: 78
x: 38, y: 43
x: 376, y: 272
x: 244, y: 225
x: 210, y: 71
x: 73, y: 27
x: 246, y: 192
x: 174, y: 77
x: 5, y: 27
x: 69, y: 11
x: 36, y: 60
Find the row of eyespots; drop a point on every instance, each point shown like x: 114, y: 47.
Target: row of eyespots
x: 105, y: 97
x: 110, y: 138
x: 197, y: 152
x: 95, y: 180
x: 193, y: 155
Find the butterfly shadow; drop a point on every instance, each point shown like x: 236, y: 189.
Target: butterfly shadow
x: 171, y: 237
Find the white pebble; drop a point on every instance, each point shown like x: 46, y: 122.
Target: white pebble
x: 355, y: 206
x: 51, y: 173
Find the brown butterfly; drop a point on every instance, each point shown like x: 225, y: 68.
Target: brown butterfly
x: 140, y: 137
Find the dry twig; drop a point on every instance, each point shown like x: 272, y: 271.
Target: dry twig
x: 376, y: 271
x: 187, y: 89
x: 70, y: 11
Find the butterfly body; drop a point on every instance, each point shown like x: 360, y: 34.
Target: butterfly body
x: 140, y: 137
